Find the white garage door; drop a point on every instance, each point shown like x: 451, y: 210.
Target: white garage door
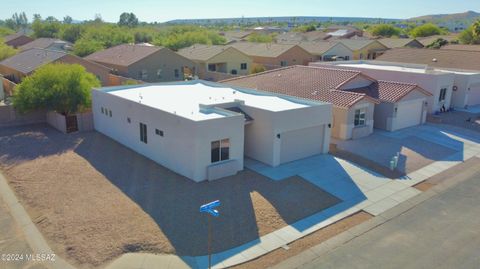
x: 301, y: 143
x: 409, y: 114
x: 474, y: 96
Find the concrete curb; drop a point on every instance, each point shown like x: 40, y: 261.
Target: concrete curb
x: 32, y: 235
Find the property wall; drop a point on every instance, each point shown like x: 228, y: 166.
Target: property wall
x: 185, y: 147
x: 58, y: 121
x: 464, y: 82
x: 10, y: 117
x: 100, y: 71
x: 234, y: 59
x: 166, y: 61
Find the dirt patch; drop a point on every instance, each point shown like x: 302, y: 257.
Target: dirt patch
x: 306, y: 242
x: 94, y: 199
x: 424, y: 186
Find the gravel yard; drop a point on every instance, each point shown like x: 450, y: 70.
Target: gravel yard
x: 94, y: 199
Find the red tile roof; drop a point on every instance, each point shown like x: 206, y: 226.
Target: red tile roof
x: 389, y: 91
x: 314, y: 83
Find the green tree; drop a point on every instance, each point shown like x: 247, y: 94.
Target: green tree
x: 384, y: 30
x: 63, y: 88
x: 305, y: 28
x: 6, y: 51
x: 67, y: 20
x: 427, y: 29
x: 18, y: 21
x: 4, y: 31
x: 476, y: 29
x: 437, y: 44
x: 468, y: 37
x: 84, y: 47
x: 47, y: 28
x: 128, y: 19
x: 71, y: 32
x: 260, y: 38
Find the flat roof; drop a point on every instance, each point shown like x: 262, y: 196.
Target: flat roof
x: 185, y: 99
x: 386, y: 67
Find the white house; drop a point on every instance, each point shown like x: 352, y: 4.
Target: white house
x: 439, y: 83
x: 203, y: 130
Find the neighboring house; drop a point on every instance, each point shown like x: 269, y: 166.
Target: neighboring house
x: 352, y: 112
x: 327, y: 51
x: 392, y: 43
x: 48, y: 43
x: 295, y: 37
x: 145, y: 62
x: 235, y: 35
x: 203, y: 130
x: 430, y: 39
x: 273, y: 56
x: 17, y: 40
x: 449, y: 87
x: 26, y: 62
x: 401, y: 105
x: 364, y: 49
x: 462, y: 47
x: 222, y: 59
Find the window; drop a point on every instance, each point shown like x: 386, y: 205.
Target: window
x: 243, y: 66
x: 359, y: 117
x: 443, y: 93
x: 212, y: 67
x: 103, y: 111
x: 110, y: 113
x: 159, y: 73
x: 220, y: 150
x: 177, y: 73
x: 143, y: 74
x: 347, y: 58
x: 283, y: 63
x: 361, y: 56
x: 129, y: 120
x: 159, y: 132
x: 234, y: 71
x: 143, y: 132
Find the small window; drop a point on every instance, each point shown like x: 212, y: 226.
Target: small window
x: 159, y: 132
x: 347, y: 58
x: 143, y: 132
x: 212, y: 67
x: 443, y: 94
x: 177, y: 73
x: 129, y: 121
x: 220, y: 150
x: 110, y: 113
x: 103, y: 111
x: 359, y: 119
x: 243, y: 66
x: 234, y: 71
x: 283, y: 63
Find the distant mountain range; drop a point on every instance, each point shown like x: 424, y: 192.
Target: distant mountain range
x: 467, y: 17
x: 266, y: 20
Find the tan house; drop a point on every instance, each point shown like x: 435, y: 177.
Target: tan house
x: 26, y: 62
x: 145, y: 62
x: 273, y: 56
x: 364, y: 49
x: 327, y: 51
x: 217, y: 59
x: 17, y: 40
x: 352, y: 112
x: 393, y: 43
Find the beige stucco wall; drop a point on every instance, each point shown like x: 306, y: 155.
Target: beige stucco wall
x: 339, y: 50
x: 362, y: 54
x: 233, y: 59
x: 343, y: 121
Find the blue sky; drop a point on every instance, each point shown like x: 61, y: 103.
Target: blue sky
x: 161, y: 10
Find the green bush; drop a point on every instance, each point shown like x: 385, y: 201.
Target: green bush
x: 384, y: 30
x: 427, y: 29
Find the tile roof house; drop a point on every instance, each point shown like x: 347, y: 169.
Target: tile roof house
x: 273, y: 56
x: 392, y: 43
x: 16, y: 40
x: 48, y: 43
x: 364, y: 48
x: 452, y: 59
x: 212, y: 60
x: 327, y: 50
x: 145, y: 62
x: 462, y: 47
x: 26, y: 62
x: 352, y: 112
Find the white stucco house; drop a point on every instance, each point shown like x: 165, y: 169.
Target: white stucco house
x: 202, y: 130
x: 437, y: 82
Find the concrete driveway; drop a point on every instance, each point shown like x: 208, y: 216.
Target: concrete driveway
x: 418, y: 146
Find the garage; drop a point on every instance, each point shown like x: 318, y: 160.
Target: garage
x: 301, y: 143
x: 474, y: 95
x: 408, y: 114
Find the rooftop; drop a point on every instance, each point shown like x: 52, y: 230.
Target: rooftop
x: 203, y: 52
x: 356, y: 44
x: 123, y: 55
x: 262, y: 49
x: 389, y: 91
x: 43, y: 43
x: 397, y: 42
x: 29, y: 60
x: 184, y: 99
x: 307, y: 82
